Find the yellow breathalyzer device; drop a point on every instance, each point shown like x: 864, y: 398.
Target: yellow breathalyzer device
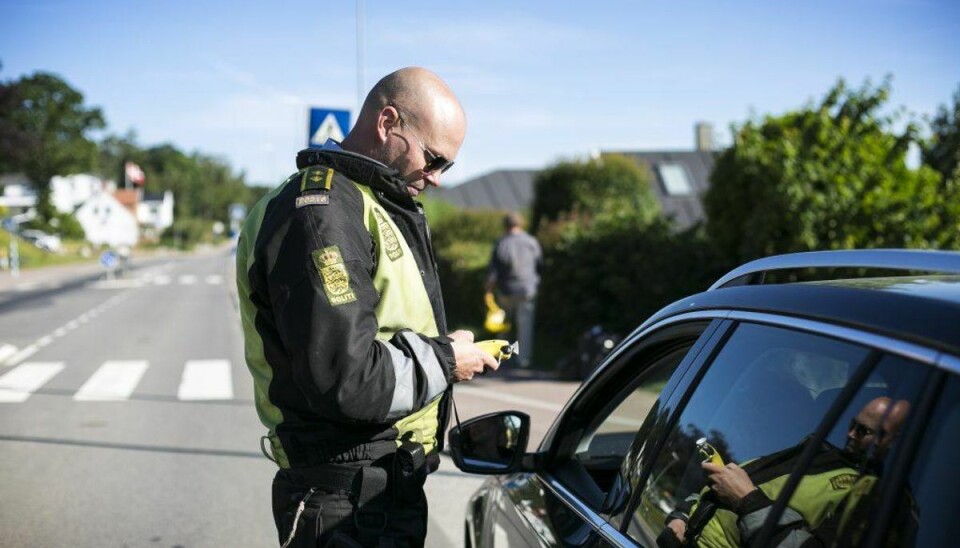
x: 501, y: 350
x: 708, y: 453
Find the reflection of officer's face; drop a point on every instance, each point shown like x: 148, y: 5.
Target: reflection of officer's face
x: 876, y: 425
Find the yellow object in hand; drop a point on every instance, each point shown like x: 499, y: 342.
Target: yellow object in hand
x: 499, y: 348
x: 708, y: 452
x: 496, y: 320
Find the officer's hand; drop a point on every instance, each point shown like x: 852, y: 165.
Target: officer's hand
x: 470, y: 359
x: 462, y: 335
x: 679, y: 528
x: 673, y: 535
x: 730, y: 482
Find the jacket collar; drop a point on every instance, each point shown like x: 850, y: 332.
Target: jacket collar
x: 365, y: 171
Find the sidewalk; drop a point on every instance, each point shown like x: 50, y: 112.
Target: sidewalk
x: 46, y: 276
x: 52, y: 276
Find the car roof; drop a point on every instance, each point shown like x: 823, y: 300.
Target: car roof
x: 921, y: 308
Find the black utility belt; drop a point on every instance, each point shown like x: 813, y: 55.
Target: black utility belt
x: 399, y: 476
x: 303, y: 452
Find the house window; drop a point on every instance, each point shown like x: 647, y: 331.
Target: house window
x: 675, y: 180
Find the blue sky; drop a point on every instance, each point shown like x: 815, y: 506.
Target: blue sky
x: 540, y: 81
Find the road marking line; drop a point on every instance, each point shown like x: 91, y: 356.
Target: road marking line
x: 161, y: 279
x: 509, y: 398
x: 72, y: 324
x: 17, y: 385
x: 117, y: 283
x: 23, y: 354
x: 6, y: 351
x: 206, y: 380
x: 214, y: 279
x: 113, y: 381
x: 187, y: 279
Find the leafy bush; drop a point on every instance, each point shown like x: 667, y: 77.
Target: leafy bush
x: 463, y: 241
x: 831, y: 176
x: 615, y: 272
x: 612, y: 184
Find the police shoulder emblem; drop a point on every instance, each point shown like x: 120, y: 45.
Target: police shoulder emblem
x: 333, y: 275
x: 843, y: 481
x: 315, y: 186
x: 391, y: 245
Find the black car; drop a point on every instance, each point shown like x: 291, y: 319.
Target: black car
x: 812, y: 413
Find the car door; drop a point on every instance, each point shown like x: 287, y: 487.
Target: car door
x: 564, y: 502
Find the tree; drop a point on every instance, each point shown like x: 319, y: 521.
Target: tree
x: 942, y: 151
x: 43, y: 130
x: 832, y: 176
x: 612, y: 185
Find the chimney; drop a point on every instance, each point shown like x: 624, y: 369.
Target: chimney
x: 703, y: 136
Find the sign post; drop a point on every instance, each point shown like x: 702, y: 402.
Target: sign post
x: 109, y: 261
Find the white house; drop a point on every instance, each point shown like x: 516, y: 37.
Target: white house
x: 155, y: 213
x: 107, y: 222
x: 66, y: 193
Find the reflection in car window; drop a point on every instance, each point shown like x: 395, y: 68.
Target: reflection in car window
x: 604, y: 445
x: 834, y: 499
x: 927, y: 509
x: 755, y: 406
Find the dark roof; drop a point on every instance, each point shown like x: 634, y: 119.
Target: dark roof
x: 698, y: 166
x: 512, y: 189
x: 506, y: 189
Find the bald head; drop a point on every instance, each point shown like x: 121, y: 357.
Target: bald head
x: 409, y: 117
x: 878, y: 424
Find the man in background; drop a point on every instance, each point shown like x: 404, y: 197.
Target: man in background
x: 514, y: 275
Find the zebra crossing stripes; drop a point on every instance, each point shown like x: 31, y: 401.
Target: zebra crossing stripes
x: 157, y: 280
x: 114, y: 381
x: 17, y: 385
x: 117, y: 380
x: 206, y: 380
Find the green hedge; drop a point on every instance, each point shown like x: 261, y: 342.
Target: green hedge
x: 616, y: 274
x: 463, y: 241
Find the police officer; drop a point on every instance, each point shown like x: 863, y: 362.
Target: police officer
x: 344, y: 325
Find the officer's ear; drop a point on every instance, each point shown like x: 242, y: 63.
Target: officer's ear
x: 387, y: 120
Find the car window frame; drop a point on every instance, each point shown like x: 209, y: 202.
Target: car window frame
x: 557, y: 445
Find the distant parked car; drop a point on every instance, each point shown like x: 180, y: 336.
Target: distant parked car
x: 838, y: 400
x: 41, y: 239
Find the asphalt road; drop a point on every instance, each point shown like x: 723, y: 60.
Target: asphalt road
x: 126, y: 416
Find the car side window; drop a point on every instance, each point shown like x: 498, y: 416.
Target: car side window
x: 600, y: 435
x: 927, y: 506
x: 755, y: 406
x: 603, y: 448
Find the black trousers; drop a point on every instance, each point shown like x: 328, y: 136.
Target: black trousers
x: 329, y: 516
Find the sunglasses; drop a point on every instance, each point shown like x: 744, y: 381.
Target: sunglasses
x: 861, y: 430
x: 433, y: 161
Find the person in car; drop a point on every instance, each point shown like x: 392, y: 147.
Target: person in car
x: 733, y: 509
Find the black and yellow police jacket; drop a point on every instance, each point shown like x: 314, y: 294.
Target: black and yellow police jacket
x: 342, y: 313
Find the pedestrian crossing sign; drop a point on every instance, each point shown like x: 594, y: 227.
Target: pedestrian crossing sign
x: 327, y: 124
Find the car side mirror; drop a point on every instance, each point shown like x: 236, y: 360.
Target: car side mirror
x: 491, y: 444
